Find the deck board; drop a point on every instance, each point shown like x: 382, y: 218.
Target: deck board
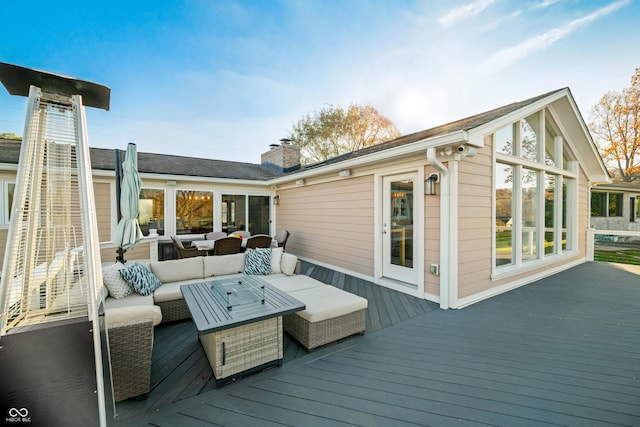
x: 562, y: 351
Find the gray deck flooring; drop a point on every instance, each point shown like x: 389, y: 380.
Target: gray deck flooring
x: 562, y: 351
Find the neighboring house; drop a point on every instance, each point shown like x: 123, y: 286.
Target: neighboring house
x: 616, y: 206
x: 453, y: 214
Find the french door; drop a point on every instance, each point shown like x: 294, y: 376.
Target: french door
x: 398, y: 231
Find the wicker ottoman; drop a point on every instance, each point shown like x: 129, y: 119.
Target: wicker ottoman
x: 330, y: 314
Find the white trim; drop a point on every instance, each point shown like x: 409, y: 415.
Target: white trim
x: 431, y: 297
x: 384, y: 155
x: 514, y: 270
x: 489, y: 293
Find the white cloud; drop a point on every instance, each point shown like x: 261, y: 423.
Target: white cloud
x: 533, y: 44
x: 464, y: 12
x: 545, y: 3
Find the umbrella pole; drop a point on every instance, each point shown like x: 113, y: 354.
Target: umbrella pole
x: 118, y: 169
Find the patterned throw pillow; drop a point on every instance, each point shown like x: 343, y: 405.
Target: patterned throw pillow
x: 141, y: 280
x: 117, y: 286
x: 258, y: 261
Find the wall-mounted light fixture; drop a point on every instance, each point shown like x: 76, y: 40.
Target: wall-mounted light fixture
x: 430, y: 184
x: 276, y: 199
x: 345, y: 173
x: 299, y: 181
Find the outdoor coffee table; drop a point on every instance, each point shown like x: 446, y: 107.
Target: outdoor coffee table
x: 239, y: 322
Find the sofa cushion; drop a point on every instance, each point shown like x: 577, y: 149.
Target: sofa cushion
x: 178, y: 269
x: 293, y: 283
x: 171, y: 291
x: 258, y: 261
x: 221, y: 265
x: 141, y: 280
x: 276, y: 260
x: 327, y: 302
x: 113, y: 281
x: 288, y: 264
x: 135, y: 313
x: 131, y: 300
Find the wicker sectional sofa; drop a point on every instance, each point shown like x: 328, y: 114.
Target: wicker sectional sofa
x: 330, y: 313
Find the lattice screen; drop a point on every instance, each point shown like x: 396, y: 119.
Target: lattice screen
x: 46, y: 275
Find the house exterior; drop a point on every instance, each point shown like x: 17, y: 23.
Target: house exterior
x: 453, y: 214
x: 616, y: 206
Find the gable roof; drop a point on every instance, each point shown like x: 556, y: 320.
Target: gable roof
x: 465, y: 124
x: 151, y: 163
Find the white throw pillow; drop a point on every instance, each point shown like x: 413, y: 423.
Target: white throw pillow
x: 288, y: 264
x: 276, y: 259
x: 117, y: 286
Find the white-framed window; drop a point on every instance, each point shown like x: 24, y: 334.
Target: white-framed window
x: 606, y: 204
x: 7, y: 189
x: 535, y: 186
x: 194, y: 211
x: 151, y: 210
x: 246, y: 212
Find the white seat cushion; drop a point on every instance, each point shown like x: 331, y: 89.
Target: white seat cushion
x: 135, y: 313
x: 178, y: 269
x: 327, y: 302
x: 292, y: 283
x: 220, y: 265
x: 171, y: 291
x: 133, y: 299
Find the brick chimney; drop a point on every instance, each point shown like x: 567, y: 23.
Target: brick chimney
x: 284, y: 157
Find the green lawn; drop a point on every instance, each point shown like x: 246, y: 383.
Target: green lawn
x: 627, y: 256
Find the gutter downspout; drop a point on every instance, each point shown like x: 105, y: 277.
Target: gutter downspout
x: 445, y: 226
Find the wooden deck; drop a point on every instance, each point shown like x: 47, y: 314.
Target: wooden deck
x: 562, y: 351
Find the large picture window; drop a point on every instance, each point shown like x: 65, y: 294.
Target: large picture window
x: 194, y: 211
x: 532, y: 201
x: 151, y: 210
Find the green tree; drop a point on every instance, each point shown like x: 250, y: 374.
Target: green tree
x: 333, y: 131
x: 615, y: 125
x: 11, y: 136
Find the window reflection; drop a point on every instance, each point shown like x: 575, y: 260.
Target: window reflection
x: 151, y: 210
x: 194, y: 211
x: 504, y: 214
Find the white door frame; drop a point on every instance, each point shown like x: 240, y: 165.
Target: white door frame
x: 416, y: 285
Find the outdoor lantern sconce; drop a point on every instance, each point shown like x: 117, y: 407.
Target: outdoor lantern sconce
x: 276, y: 199
x: 430, y: 184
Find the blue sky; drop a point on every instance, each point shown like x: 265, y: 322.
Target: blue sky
x: 224, y: 79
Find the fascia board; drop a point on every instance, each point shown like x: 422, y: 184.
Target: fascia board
x: 478, y: 133
x: 8, y: 167
x: 201, y: 179
x: 403, y: 150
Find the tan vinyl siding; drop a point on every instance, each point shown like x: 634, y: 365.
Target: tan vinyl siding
x: 140, y: 252
x: 102, y: 195
x: 331, y: 222
x: 475, y: 216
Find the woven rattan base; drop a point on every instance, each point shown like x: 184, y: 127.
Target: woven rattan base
x: 130, y: 350
x: 312, y: 335
x: 174, y: 310
x: 236, y: 351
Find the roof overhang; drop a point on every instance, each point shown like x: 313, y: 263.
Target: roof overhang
x: 380, y: 156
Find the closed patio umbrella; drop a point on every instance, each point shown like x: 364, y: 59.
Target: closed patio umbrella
x: 128, y: 233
